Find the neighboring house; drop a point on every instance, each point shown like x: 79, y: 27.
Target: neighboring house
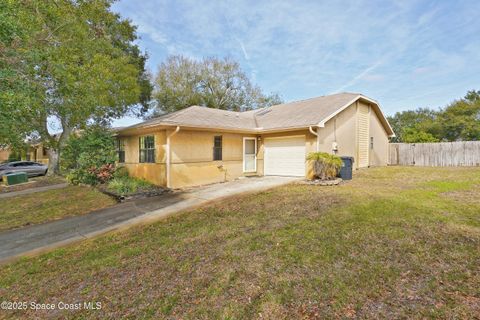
x: 199, y: 145
x: 35, y: 152
x: 38, y: 153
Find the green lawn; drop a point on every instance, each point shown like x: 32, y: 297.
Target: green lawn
x: 32, y: 183
x: 393, y: 243
x: 50, y: 205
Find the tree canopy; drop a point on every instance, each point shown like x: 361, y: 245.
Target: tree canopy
x: 460, y: 120
x: 215, y: 83
x: 14, y: 87
x: 66, y: 63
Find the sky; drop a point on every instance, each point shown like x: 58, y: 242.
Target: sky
x: 404, y: 54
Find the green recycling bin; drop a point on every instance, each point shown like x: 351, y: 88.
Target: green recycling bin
x: 15, y: 178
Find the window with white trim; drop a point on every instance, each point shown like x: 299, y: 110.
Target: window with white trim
x: 147, y: 149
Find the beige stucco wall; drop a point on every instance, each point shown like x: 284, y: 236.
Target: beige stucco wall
x: 201, y: 173
x: 192, y: 158
x: 342, y: 130
x: 153, y: 172
x: 379, y: 153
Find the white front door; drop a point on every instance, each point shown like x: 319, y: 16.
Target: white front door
x: 249, y: 154
x: 285, y: 156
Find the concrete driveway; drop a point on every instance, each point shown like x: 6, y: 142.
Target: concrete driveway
x: 44, y: 237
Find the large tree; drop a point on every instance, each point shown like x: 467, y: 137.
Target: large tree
x: 14, y: 85
x: 419, y: 125
x: 215, y: 83
x: 460, y: 120
x: 73, y: 62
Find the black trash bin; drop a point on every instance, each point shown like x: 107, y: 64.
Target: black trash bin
x: 346, y: 170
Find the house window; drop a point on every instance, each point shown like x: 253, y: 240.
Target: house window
x: 121, y: 150
x: 147, y: 149
x: 371, y: 143
x: 217, y: 148
x: 44, y: 151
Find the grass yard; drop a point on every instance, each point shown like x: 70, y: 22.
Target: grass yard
x: 32, y: 183
x: 393, y: 243
x: 50, y: 205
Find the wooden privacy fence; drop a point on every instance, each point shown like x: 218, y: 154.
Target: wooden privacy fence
x: 436, y: 154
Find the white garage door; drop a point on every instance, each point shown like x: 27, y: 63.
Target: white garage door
x: 285, y: 156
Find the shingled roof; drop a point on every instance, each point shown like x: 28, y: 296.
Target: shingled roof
x: 298, y: 114
x: 196, y: 116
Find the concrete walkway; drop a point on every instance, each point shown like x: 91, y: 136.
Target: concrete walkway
x: 32, y: 190
x: 45, y: 237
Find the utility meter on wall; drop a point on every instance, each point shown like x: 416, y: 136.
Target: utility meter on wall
x: 334, y: 147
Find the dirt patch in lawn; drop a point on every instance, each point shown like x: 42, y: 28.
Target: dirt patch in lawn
x: 471, y: 196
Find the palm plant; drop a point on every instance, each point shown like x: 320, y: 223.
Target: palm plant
x: 325, y: 166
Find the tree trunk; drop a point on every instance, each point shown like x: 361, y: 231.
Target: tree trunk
x: 53, y: 162
x: 54, y: 153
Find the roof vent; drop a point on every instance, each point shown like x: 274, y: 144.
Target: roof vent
x: 263, y: 112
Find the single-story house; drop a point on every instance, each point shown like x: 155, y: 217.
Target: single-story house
x: 38, y: 153
x: 200, y: 145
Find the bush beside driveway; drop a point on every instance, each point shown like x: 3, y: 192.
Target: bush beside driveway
x: 392, y: 243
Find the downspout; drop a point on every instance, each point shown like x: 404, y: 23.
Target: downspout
x: 316, y: 135
x: 168, y: 160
